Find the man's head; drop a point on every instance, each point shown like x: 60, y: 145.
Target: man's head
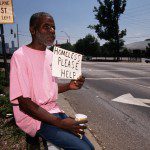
x: 42, y: 28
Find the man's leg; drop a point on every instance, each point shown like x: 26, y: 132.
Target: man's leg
x: 64, y: 139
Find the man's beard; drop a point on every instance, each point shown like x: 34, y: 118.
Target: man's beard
x: 43, y: 39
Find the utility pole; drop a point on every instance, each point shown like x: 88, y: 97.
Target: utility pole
x: 4, y: 51
x: 116, y: 12
x: 67, y: 36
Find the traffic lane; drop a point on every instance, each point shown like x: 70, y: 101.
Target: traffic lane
x: 116, y: 66
x: 108, y: 123
x: 116, y: 71
x: 141, y: 82
x: 136, y: 77
x: 113, y: 88
x: 108, y: 90
x: 130, y: 73
x: 135, y: 118
x: 91, y: 73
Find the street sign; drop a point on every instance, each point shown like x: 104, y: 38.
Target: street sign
x: 6, y: 12
x: 66, y: 64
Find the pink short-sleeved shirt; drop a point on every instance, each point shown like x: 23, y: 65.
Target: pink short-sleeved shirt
x: 31, y: 76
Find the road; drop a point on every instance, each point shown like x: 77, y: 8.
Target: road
x: 122, y: 123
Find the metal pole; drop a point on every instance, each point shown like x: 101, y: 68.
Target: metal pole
x: 4, y: 51
x: 67, y: 35
x: 17, y: 36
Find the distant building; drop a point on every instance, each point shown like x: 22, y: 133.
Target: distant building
x: 58, y: 45
x: 7, y: 48
x: 141, y: 45
x: 13, y: 48
x: 0, y: 47
x: 12, y: 44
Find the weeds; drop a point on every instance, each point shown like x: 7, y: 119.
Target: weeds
x: 10, y: 135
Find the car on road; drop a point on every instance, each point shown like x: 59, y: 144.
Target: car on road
x: 147, y: 60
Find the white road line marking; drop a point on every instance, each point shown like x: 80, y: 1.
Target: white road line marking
x: 120, y: 78
x: 129, y: 99
x: 123, y: 79
x: 126, y: 70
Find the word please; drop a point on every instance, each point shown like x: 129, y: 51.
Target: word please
x: 68, y: 63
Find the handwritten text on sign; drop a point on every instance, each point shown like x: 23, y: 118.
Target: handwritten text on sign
x: 66, y: 64
x: 6, y: 12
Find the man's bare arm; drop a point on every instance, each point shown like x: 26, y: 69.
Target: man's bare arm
x: 73, y: 85
x: 63, y: 87
x: 32, y: 109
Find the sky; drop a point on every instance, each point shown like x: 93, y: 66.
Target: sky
x: 72, y: 17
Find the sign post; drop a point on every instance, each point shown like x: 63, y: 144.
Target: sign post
x: 66, y: 64
x: 4, y: 51
x: 6, y: 17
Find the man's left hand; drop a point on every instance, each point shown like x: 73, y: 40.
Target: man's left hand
x: 77, y: 84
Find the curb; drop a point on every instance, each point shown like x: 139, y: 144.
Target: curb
x: 64, y: 105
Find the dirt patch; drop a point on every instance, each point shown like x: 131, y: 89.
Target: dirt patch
x: 11, y: 138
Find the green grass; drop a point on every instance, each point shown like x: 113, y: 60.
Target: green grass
x: 11, y: 136
x: 5, y: 106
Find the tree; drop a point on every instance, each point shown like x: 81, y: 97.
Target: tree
x: 107, y: 49
x: 125, y: 52
x: 88, y: 46
x: 108, y: 14
x: 67, y: 46
x: 110, y: 47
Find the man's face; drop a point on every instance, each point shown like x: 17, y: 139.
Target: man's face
x: 45, y: 33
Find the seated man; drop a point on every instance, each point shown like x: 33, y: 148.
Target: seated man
x: 33, y: 90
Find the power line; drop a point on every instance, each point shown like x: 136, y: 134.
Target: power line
x: 136, y: 36
x: 138, y: 11
x: 136, y: 21
x: 142, y: 5
x: 24, y: 34
x: 138, y: 24
x: 136, y: 16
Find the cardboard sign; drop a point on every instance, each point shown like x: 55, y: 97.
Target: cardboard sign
x: 6, y: 12
x: 66, y: 64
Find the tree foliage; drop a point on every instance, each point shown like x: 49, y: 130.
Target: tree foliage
x: 88, y: 46
x: 148, y: 51
x: 108, y: 14
x: 67, y: 46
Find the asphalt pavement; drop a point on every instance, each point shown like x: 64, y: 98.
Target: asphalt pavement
x: 64, y: 104
x: 116, y: 99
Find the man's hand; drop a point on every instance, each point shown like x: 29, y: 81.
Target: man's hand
x: 73, y: 126
x: 72, y: 85
x: 77, y: 84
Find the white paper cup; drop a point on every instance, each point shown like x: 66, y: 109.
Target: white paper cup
x: 80, y: 117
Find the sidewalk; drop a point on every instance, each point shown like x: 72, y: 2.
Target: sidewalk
x: 64, y: 104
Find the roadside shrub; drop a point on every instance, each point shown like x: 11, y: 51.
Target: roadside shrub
x: 3, y: 81
x: 5, y: 105
x: 1, y: 89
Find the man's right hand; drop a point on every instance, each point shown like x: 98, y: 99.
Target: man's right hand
x: 73, y: 126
